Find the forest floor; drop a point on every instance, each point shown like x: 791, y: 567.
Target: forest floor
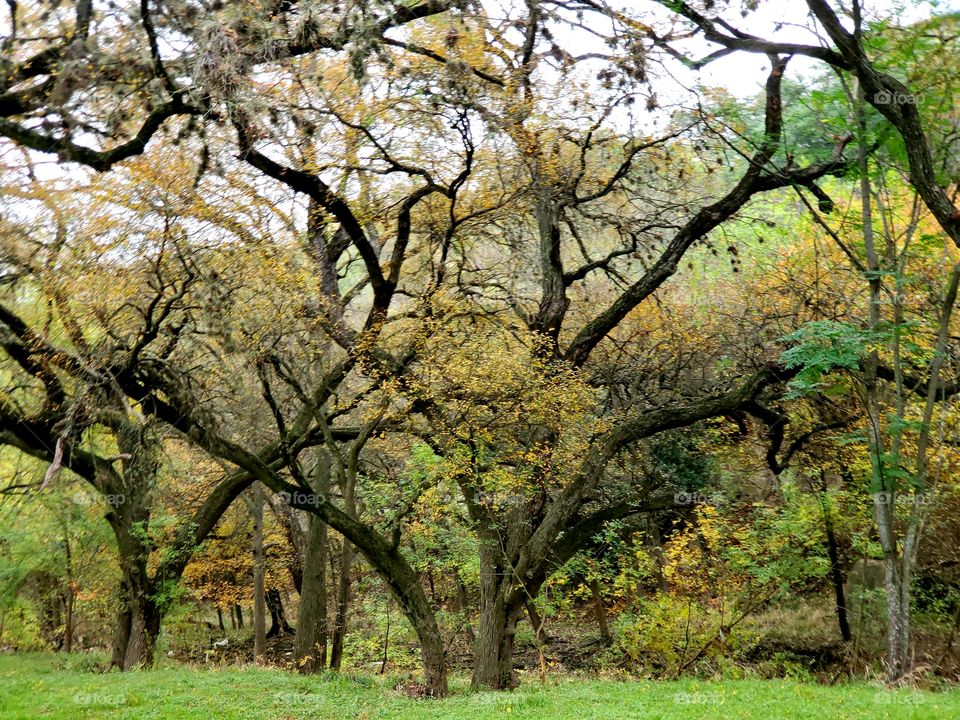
x: 48, y: 686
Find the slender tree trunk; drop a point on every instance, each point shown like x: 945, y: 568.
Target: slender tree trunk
x: 536, y: 621
x: 401, y: 578
x: 70, y: 594
x: 464, y: 606
x: 431, y: 585
x: 310, y: 646
x: 605, y: 637
x: 898, y: 618
x: 658, y: 557
x: 836, y: 567
x: 237, y: 614
x: 223, y: 629
x: 348, y: 479
x: 68, y: 622
x: 343, y: 605
x: 259, y: 569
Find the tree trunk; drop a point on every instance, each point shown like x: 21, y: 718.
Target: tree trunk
x: 658, y: 557
x: 121, y: 635
x: 605, y: 637
x: 310, y: 646
x: 144, y: 631
x: 136, y: 630
x: 497, y: 627
x: 69, y: 596
x: 537, y: 622
x: 431, y: 585
x: 278, y: 618
x: 348, y: 478
x: 432, y: 650
x: 138, y: 621
x: 896, y: 585
x: 464, y: 607
x: 68, y: 622
x: 343, y: 605
x: 237, y: 613
x: 259, y: 568
x: 833, y: 552
x: 882, y: 481
x: 223, y: 629
x: 493, y: 657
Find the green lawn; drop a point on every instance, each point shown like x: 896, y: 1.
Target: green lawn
x: 35, y: 686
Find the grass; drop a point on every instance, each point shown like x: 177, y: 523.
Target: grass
x: 45, y: 686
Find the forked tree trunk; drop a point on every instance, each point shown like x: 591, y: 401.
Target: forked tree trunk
x: 278, y: 618
x: 138, y: 620
x: 497, y: 627
x: 137, y: 629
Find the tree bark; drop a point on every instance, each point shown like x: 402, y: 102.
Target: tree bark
x: 259, y: 568
x: 497, y: 626
x: 70, y: 594
x: 348, y: 479
x: 310, y: 646
x: 347, y: 554
x: 137, y: 627
x: 605, y: 637
x: 144, y: 631
x: 463, y: 603
x: 138, y: 621
x: 836, y: 567
x: 278, y: 618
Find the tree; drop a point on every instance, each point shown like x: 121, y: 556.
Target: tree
x: 394, y: 169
